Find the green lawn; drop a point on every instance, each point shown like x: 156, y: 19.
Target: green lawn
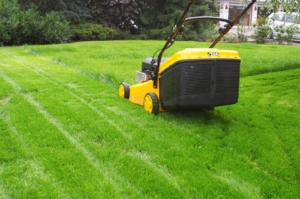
x: 65, y: 133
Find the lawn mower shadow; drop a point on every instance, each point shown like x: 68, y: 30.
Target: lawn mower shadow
x: 202, y: 117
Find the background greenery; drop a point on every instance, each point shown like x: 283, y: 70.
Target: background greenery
x: 18, y: 26
x: 59, y: 21
x: 65, y: 133
x: 45, y: 21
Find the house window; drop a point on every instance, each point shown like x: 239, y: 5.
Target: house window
x: 234, y: 11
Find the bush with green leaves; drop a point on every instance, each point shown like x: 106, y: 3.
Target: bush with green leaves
x: 263, y: 30
x: 44, y: 29
x: 241, y: 37
x: 231, y: 37
x: 261, y: 34
x: 90, y: 32
x: 9, y: 20
x: 285, y: 34
x: 30, y: 26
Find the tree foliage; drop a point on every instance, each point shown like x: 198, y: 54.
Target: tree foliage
x: 9, y: 20
x: 36, y: 28
x: 281, y: 5
x: 19, y: 26
x: 286, y: 5
x: 89, y: 32
x: 161, y: 15
x: 118, y: 14
x: 74, y: 10
x: 150, y: 19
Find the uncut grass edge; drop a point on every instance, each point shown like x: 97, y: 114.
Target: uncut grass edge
x: 271, y: 62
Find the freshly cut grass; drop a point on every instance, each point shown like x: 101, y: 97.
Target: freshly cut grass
x: 65, y: 133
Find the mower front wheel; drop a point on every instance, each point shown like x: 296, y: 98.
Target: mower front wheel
x: 124, y: 90
x: 151, y: 103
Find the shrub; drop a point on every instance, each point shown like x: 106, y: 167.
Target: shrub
x: 261, y: 21
x: 90, y: 31
x: 261, y: 34
x: 158, y: 33
x: 290, y: 31
x: 56, y: 28
x: 285, y: 34
x: 9, y: 20
x: 231, y: 37
x: 263, y: 31
x: 38, y: 29
x: 30, y: 26
x: 241, y: 37
x: 127, y: 35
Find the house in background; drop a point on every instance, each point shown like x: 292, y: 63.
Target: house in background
x: 230, y: 9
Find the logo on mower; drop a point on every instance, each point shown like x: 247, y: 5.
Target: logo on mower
x: 213, y: 54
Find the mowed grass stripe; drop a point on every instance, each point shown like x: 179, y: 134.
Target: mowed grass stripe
x: 59, y: 158
x: 2, y: 188
x: 74, y: 91
x: 129, y: 120
x: 8, y: 152
x: 91, y: 159
x: 21, y: 173
x: 33, y: 89
x: 16, y: 154
x: 98, y: 111
x: 34, y: 177
x: 2, y: 193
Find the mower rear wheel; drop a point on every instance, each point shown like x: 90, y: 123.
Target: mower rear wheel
x: 151, y: 103
x: 124, y: 90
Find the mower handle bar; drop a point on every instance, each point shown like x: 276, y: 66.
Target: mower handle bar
x: 199, y: 18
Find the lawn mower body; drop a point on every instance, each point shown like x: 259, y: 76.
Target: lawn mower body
x: 194, y: 78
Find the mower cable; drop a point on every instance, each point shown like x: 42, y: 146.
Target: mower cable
x: 155, y: 54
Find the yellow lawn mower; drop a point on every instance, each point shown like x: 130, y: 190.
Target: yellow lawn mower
x: 194, y: 78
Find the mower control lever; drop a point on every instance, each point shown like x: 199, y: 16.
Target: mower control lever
x: 153, y: 61
x: 221, y: 30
